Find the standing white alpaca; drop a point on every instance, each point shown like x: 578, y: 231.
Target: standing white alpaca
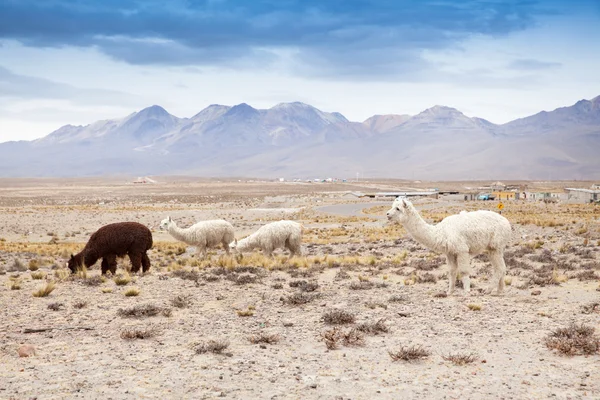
x: 203, y: 235
x: 279, y: 234
x: 459, y: 237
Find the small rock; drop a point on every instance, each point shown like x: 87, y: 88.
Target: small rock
x: 26, y: 350
x: 536, y: 292
x: 288, y: 324
x: 313, y: 386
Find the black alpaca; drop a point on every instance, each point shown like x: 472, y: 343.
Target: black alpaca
x: 112, y: 241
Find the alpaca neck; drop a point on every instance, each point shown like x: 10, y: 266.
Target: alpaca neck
x: 177, y: 232
x: 421, y: 231
x: 246, y: 244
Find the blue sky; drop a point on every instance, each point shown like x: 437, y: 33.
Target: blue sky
x: 80, y: 61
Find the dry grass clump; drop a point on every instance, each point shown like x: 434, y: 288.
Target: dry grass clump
x: 55, y: 306
x: 341, y: 275
x: 267, y: 338
x: 34, y: 264
x: 182, y: 301
x: 588, y: 275
x: 573, y: 340
x: 95, y: 280
x: 132, y: 291
x: 245, y: 313
x: 427, y: 277
x: 107, y: 290
x: 409, y: 353
x: 62, y: 274
x: 474, y: 307
x: 44, y: 290
x: 304, y: 286
x: 374, y: 328
x: 299, y: 298
x: 142, y: 311
x: 461, y: 358
x: 17, y: 266
x: 243, y: 279
x: 139, y: 333
x: 212, y: 346
x: 374, y: 304
x: 333, y: 338
x: 80, y: 304
x: 38, y: 275
x: 14, y: 284
x: 338, y: 317
x: 122, y: 279
x: 362, y: 285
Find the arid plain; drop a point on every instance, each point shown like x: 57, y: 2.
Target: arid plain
x: 362, y: 314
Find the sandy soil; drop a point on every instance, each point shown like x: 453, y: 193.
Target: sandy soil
x: 82, y: 354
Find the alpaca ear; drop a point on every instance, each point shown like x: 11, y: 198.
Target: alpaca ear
x: 404, y: 204
x: 170, y: 220
x: 72, y: 256
x: 235, y: 241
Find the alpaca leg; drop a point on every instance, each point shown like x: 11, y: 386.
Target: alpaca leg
x: 136, y: 261
x: 499, y: 270
x: 200, y: 252
x: 145, y: 262
x: 226, y: 247
x: 452, y: 272
x: 104, y: 266
x: 109, y: 263
x: 464, y: 266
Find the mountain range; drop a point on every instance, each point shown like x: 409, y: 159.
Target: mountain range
x: 296, y: 140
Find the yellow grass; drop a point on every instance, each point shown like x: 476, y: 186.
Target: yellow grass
x: 132, y: 291
x: 44, y: 290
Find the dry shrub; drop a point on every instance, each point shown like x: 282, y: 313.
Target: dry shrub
x: 587, y: 275
x: 299, y: 298
x: 338, y: 317
x: 341, y: 275
x: 397, y: 298
x: 460, y: 359
x: 268, y: 338
x: 362, y: 285
x: 17, y: 266
x: 212, y: 346
x: 573, y: 340
x: 34, y: 264
x: 145, y: 310
x: 474, y: 307
x: 186, y: 275
x: 374, y: 304
x: 210, y: 278
x: 333, y: 338
x: 244, y: 279
x: 139, y: 333
x: 80, y: 304
x: 298, y: 283
x: 374, y: 328
x: 425, y: 265
x: 427, y: 277
x: 245, y: 313
x: 55, y: 306
x: 122, y: 279
x: 38, y: 275
x: 590, y: 308
x: 409, y: 353
x: 544, y: 257
x: 181, y: 301
x: 95, y: 280
x: 44, y: 290
x: 277, y: 286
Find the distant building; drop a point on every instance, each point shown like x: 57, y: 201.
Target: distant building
x: 505, y: 195
x: 497, y: 186
x: 582, y: 196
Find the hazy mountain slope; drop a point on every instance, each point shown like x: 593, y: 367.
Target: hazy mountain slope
x: 298, y: 140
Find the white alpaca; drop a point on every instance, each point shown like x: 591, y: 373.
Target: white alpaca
x: 459, y: 237
x: 203, y: 235
x: 280, y: 234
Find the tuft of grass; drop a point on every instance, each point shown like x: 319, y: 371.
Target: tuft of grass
x: 267, y: 338
x: 474, y: 307
x: 338, y: 317
x: 245, y: 313
x: 460, y: 359
x: 38, y: 275
x: 122, y: 279
x: 132, y: 291
x: 573, y: 340
x: 139, y: 333
x: 34, y: 264
x: 374, y: 328
x: 508, y: 280
x: 15, y: 285
x: 212, y: 346
x: 181, y: 301
x: 141, y: 311
x: 107, y: 290
x: 409, y: 353
x: 397, y: 298
x: 590, y: 308
x: 44, y: 290
x: 80, y: 304
x: 55, y: 306
x: 62, y: 274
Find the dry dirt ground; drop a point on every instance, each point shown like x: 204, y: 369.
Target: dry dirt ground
x: 324, y: 325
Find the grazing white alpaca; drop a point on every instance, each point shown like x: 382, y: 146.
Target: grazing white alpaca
x: 203, y: 235
x: 459, y: 237
x: 280, y: 234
